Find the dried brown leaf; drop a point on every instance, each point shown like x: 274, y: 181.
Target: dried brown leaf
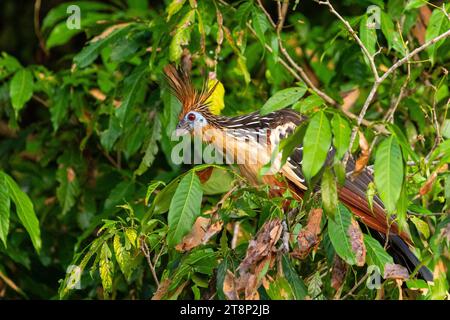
x: 308, y: 237
x: 357, y: 242
x: 161, y: 292
x: 420, y: 28
x: 363, y: 159
x: 263, y: 245
x: 350, y: 99
x: 395, y: 271
x: 70, y: 174
x: 204, y: 229
x: 109, y: 30
x: 229, y: 286
x: 338, y: 272
x: 260, y: 258
x: 204, y: 174
x: 428, y: 185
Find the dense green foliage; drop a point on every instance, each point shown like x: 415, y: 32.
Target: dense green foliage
x: 88, y: 187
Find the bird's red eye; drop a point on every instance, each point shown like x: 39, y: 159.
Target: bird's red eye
x: 191, y: 117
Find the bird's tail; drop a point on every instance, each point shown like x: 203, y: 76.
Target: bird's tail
x: 353, y: 194
x: 403, y: 255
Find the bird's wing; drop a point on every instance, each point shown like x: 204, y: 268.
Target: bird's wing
x: 353, y: 193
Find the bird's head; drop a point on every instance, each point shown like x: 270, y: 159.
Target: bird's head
x: 195, y: 113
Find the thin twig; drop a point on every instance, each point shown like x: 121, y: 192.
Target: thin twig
x: 11, y: 284
x: 355, y: 36
x: 355, y: 286
x: 37, y: 28
x: 378, y: 82
x: 302, y: 76
x: 145, y: 251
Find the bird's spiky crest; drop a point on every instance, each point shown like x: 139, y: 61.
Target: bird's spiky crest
x: 181, y: 85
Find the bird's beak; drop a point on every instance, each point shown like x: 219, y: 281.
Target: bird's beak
x: 183, y: 128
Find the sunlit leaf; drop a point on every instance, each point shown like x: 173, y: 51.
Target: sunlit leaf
x: 389, y: 172
x: 21, y: 89
x: 316, y: 144
x: 283, y: 98
x: 184, y: 208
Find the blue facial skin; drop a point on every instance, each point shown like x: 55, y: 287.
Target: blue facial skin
x: 191, y: 121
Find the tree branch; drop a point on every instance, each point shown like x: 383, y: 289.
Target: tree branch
x: 355, y: 36
x: 282, y: 11
x: 378, y: 82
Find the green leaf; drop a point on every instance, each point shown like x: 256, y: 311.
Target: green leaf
x: 21, y: 89
x: 150, y: 189
x: 109, y: 137
x: 182, y: 36
x: 260, y: 24
x: 387, y: 27
x: 152, y: 148
x: 25, y: 211
x: 414, y: 4
x: 132, y: 85
x: 283, y: 98
x: 106, y: 268
x: 389, y: 172
x: 341, y: 135
x: 5, y: 206
x: 184, y: 208
x: 119, y: 194
x: 308, y: 104
x: 280, y: 289
x: 60, y: 35
x: 91, y: 52
x: 329, y: 192
x: 438, y: 24
x: 219, y: 182
x: 68, y: 189
x: 59, y: 12
x: 316, y: 144
x: 391, y: 35
x: 174, y: 7
x: 297, y: 284
x: 368, y: 36
x: 447, y: 188
x: 123, y: 257
x: 59, y: 107
x: 403, y: 141
x: 422, y: 226
x: 338, y: 233
x: 376, y: 255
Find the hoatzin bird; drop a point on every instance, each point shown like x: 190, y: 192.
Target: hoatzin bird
x: 258, y: 134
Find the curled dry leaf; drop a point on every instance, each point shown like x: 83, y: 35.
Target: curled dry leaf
x: 363, y: 159
x: 229, y: 286
x: 161, y: 292
x: 395, y: 271
x: 204, y: 229
x: 204, y: 174
x: 109, y: 30
x: 338, y: 272
x: 100, y: 96
x: 420, y: 27
x: 357, y: 243
x: 439, y: 270
x: 350, y: 99
x: 308, y: 237
x: 427, y: 186
x: 70, y: 174
x: 260, y: 257
x: 263, y: 245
